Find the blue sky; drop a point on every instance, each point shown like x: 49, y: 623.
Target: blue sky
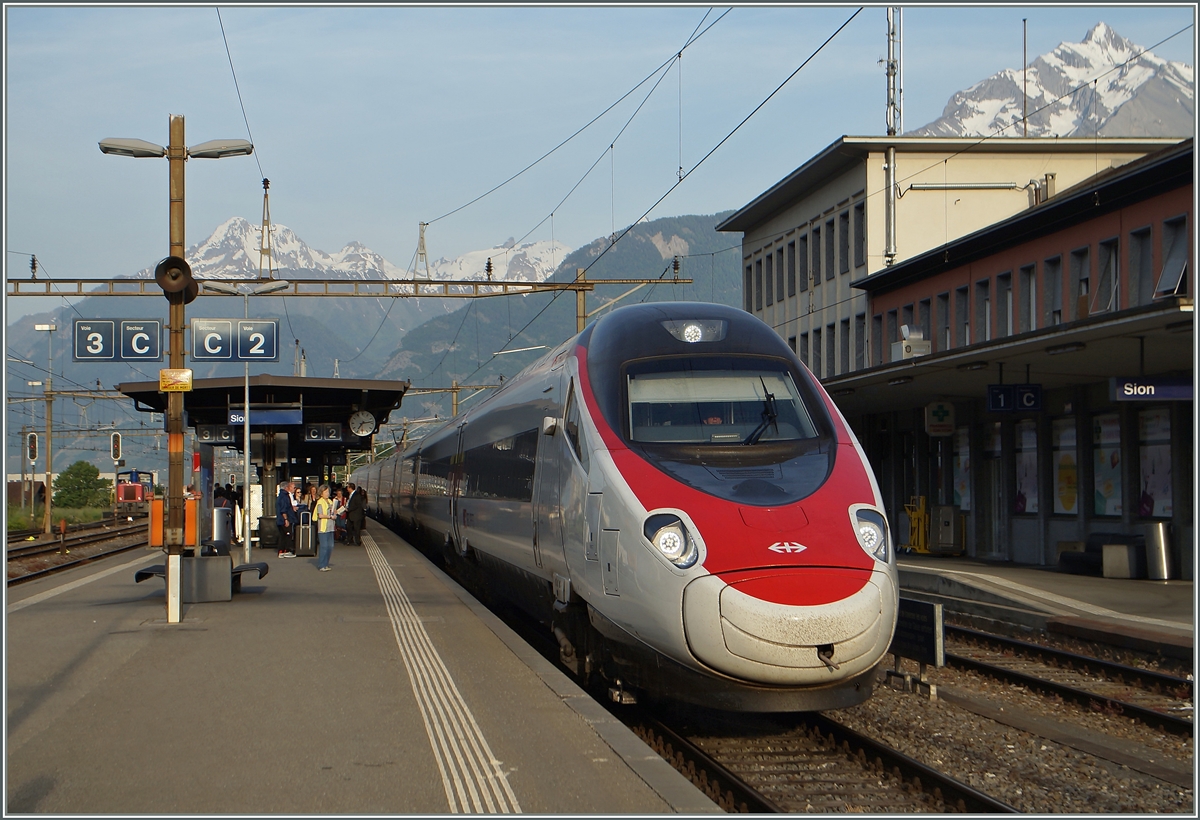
x: 369, y: 120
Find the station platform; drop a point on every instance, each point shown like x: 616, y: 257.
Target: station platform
x: 380, y: 687
x: 1152, y: 616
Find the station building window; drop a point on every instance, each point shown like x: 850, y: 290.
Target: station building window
x: 962, y: 308
x: 1065, y: 466
x: 792, y: 343
x: 779, y: 275
x: 924, y: 320
x: 791, y: 269
x: 1106, y: 465
x: 1027, y: 318
x: 816, y: 255
x: 802, y: 261
x: 769, y: 278
x: 1141, y: 267
x: 844, y: 242
x: 1004, y: 305
x: 983, y: 310
x: 893, y: 329
x: 1154, y: 455
x: 1025, y: 468
x: 1052, y: 280
x: 877, y: 338
x: 1081, y: 274
x: 860, y: 341
x: 1172, y: 280
x: 844, y: 339
x: 1107, y: 296
x: 860, y: 235
x: 830, y: 249
x: 758, y: 285
x: 804, y: 348
x: 748, y: 289
x: 815, y: 367
x: 830, y: 352
x: 943, y: 319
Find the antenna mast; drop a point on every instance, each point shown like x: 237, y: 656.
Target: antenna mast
x: 266, y: 256
x: 893, y: 124
x: 422, y: 256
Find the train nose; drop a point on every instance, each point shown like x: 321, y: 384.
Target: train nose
x: 750, y: 625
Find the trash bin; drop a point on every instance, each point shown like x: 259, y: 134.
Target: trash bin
x: 1158, y: 550
x: 222, y: 524
x: 268, y: 532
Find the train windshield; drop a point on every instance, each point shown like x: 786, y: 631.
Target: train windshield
x: 722, y: 402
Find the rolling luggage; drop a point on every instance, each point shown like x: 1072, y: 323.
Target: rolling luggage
x: 305, y: 537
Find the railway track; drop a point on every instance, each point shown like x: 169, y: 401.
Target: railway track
x: 41, y: 573
x: 808, y: 764
x: 1157, y: 699
x: 73, y: 541
x: 21, y: 535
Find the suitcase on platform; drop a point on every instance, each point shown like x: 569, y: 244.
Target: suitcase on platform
x: 305, y: 540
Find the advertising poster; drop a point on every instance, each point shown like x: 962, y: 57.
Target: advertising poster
x: 1106, y: 462
x: 1026, y: 468
x: 962, y: 468
x: 1066, y: 469
x: 1154, y: 438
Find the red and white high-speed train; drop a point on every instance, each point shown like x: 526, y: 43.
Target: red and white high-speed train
x: 674, y: 494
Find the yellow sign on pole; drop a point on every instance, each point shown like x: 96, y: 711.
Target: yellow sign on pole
x: 175, y: 380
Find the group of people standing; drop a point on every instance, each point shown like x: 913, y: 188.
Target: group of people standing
x: 329, y: 507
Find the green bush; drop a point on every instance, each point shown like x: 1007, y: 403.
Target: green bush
x: 80, y: 486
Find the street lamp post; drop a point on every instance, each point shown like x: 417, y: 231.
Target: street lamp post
x: 247, y: 290
x: 176, y: 153
x: 49, y: 329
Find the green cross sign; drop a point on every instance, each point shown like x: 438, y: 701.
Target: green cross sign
x: 939, y: 418
x: 940, y: 412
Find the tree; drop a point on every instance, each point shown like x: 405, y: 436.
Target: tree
x: 80, y: 486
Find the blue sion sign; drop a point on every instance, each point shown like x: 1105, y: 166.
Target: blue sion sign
x: 241, y: 340
x: 117, y: 340
x: 1153, y: 388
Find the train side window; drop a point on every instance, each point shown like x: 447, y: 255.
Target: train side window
x: 575, y: 432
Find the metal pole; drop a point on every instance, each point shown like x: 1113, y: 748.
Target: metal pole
x: 24, y: 458
x: 246, y: 456
x: 580, y: 302
x: 49, y: 432
x: 176, y: 155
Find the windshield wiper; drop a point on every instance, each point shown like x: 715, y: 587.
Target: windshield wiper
x: 769, y: 416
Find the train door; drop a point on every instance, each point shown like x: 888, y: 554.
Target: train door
x: 455, y: 491
x: 552, y: 460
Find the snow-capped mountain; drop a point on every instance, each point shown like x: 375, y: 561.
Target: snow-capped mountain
x: 1135, y: 95
x: 233, y: 252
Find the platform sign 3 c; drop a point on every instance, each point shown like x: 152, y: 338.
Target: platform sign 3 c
x: 117, y: 340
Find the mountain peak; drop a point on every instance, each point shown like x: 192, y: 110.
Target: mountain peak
x: 1075, y: 91
x: 233, y: 251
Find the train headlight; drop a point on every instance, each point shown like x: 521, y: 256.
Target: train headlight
x: 697, y: 330
x: 670, y: 537
x: 872, y: 531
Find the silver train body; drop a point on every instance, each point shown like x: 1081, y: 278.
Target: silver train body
x: 673, y: 494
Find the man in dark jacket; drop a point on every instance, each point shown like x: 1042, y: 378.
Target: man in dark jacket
x: 355, y: 515
x: 286, y: 520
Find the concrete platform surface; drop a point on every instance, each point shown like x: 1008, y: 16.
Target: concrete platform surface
x: 1167, y: 607
x: 379, y: 687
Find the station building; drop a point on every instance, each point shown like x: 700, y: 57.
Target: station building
x: 1078, y: 305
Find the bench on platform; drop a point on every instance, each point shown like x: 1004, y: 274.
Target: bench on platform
x: 209, y: 577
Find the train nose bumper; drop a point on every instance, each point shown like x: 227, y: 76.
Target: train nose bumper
x: 732, y: 627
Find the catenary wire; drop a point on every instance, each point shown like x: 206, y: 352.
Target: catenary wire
x: 239, y: 91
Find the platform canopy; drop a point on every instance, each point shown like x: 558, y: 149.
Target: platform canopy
x: 314, y: 414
